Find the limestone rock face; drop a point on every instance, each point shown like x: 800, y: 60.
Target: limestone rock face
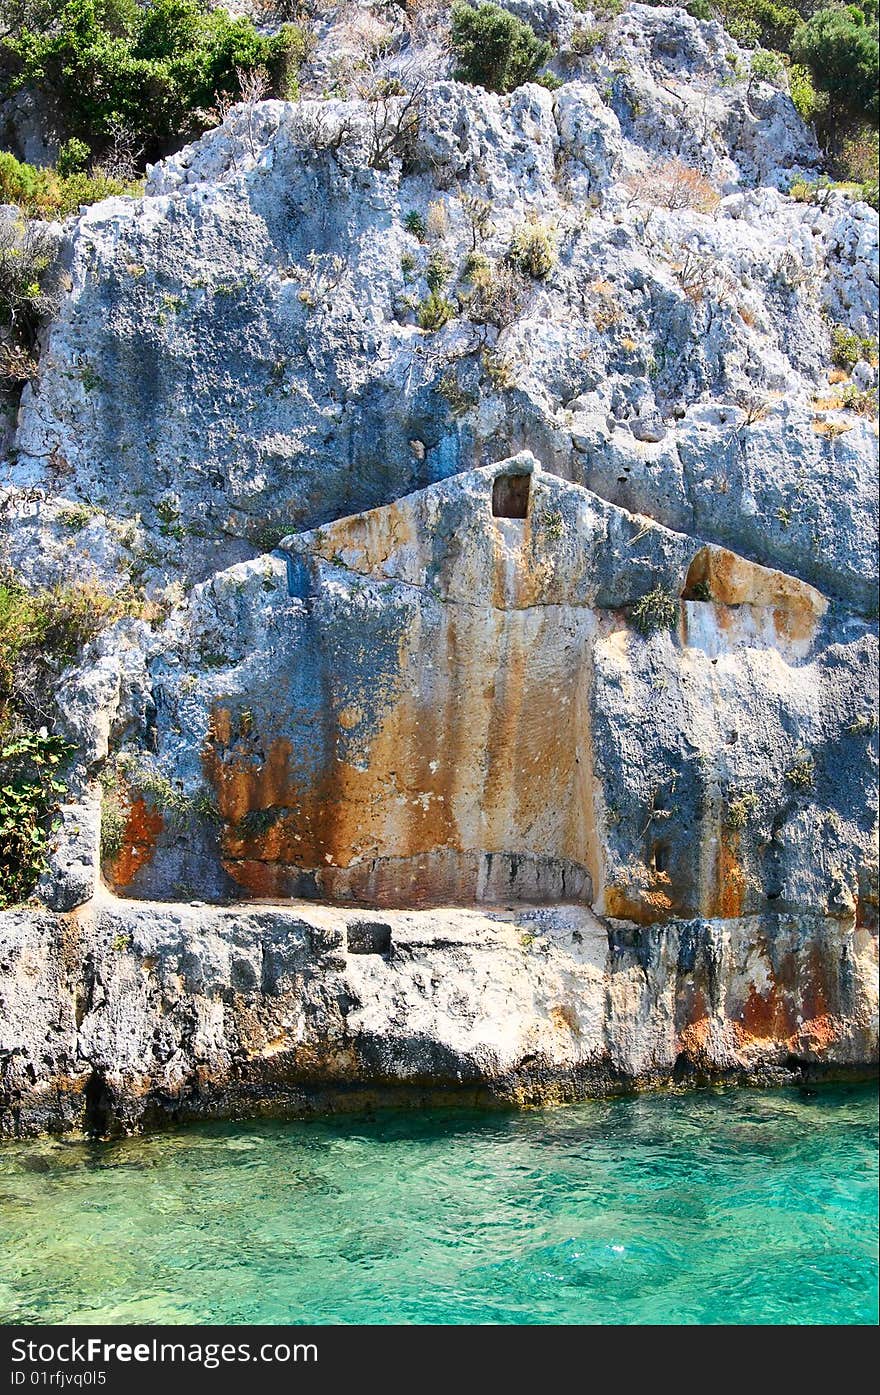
x: 130, y: 1014
x: 239, y: 352
x: 502, y: 684
x: 440, y: 701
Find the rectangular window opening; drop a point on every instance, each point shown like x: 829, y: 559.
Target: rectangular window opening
x: 510, y: 496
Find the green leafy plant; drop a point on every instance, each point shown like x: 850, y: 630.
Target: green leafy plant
x: 437, y: 271
x: 77, y: 516
x: 863, y: 402
x: 809, y: 101
x: 152, y: 70
x: 839, y: 46
x: 73, y: 157
x: 585, y: 40
x: 847, y: 348
x: 859, y: 163
x: 459, y: 398
x: 114, y: 813
x: 741, y: 809
x: 41, y: 633
x: 766, y: 66
x: 30, y: 793
x: 657, y: 610
x: 415, y: 224
x: 434, y: 312
x: 138, y: 775
x: 494, y: 49
x: 26, y: 296
x: 478, y: 212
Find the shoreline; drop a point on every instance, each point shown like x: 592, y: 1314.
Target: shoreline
x: 125, y: 1017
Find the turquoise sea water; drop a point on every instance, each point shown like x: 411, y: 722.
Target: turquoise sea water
x: 727, y: 1206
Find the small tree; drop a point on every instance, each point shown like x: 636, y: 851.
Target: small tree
x: 840, y: 48
x: 494, y: 49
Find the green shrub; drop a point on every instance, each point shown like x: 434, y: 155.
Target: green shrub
x: 760, y: 22
x: 584, y: 41
x: 434, y: 312
x: 863, y: 402
x: 291, y: 48
x: 437, y: 271
x: 808, y: 101
x: 858, y: 162
x: 533, y: 249
x: 26, y: 256
x: 802, y: 774
x: 114, y: 815
x: 151, y: 69
x: 42, y: 631
x: 657, y: 610
x: 137, y: 775
x: 73, y: 157
x: 847, y: 348
x: 30, y: 791
x: 766, y: 66
x: 741, y: 808
x: 494, y: 49
x: 839, y: 45
x: 818, y: 191
x: 811, y: 190
x: 48, y: 193
x: 415, y: 224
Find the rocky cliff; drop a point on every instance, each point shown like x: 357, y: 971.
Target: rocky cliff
x: 500, y: 715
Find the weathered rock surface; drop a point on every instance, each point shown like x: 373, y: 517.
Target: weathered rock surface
x: 238, y: 353
x: 403, y: 659
x: 129, y: 1015
x: 432, y: 703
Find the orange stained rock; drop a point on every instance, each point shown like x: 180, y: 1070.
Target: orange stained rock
x: 142, y: 828
x: 816, y: 1034
x: 734, y: 581
x: 565, y: 1019
x: 269, y: 881
x: 768, y: 1016
x: 243, y: 784
x: 476, y: 751
x: 627, y: 902
x: 365, y: 542
x: 731, y: 878
x: 695, y: 1037
x: 818, y: 983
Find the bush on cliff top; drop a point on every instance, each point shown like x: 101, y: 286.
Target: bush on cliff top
x: 494, y: 49
x: 148, y: 69
x: 840, y: 47
x: 46, y: 193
